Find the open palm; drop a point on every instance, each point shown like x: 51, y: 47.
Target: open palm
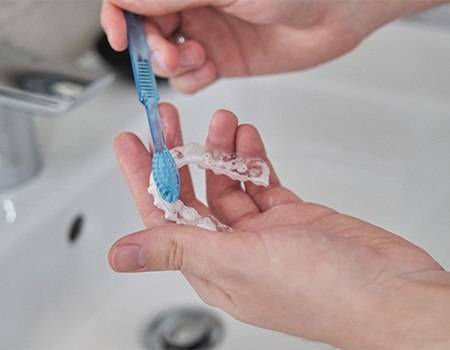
x: 296, y: 267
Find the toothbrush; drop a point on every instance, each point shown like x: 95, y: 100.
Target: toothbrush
x: 165, y: 171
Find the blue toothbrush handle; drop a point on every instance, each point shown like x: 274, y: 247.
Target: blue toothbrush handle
x: 165, y: 171
x: 159, y: 143
x: 140, y: 60
x: 144, y: 78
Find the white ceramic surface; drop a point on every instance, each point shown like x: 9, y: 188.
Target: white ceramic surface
x: 367, y: 135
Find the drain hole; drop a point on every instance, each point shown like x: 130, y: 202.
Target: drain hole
x: 184, y: 328
x: 75, y: 228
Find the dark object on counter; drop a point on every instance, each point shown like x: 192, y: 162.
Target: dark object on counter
x: 119, y: 61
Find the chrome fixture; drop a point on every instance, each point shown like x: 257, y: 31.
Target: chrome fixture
x: 184, y: 328
x: 29, y: 86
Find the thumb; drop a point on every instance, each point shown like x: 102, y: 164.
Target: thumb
x: 170, y: 247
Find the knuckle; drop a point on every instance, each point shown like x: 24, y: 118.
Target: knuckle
x: 174, y: 255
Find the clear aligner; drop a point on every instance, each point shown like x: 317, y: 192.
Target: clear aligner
x: 232, y: 165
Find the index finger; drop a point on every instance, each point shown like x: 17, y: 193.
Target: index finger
x: 114, y: 25
x: 135, y: 162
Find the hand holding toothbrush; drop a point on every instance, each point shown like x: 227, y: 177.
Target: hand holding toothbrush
x: 228, y: 38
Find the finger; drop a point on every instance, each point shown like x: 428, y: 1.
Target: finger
x: 113, y: 23
x: 169, y: 59
x: 167, y: 24
x: 160, y: 8
x: 250, y: 144
x: 172, y: 134
x: 164, y: 54
x: 225, y: 197
x: 185, y: 64
x: 135, y: 163
x: 195, y: 79
x: 189, y: 57
x: 173, y: 247
x: 192, y: 56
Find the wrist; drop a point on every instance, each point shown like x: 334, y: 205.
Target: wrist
x: 374, y: 14
x: 412, y: 311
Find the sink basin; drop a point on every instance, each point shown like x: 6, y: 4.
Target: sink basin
x: 367, y: 138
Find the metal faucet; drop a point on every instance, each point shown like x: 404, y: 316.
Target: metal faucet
x: 29, y: 86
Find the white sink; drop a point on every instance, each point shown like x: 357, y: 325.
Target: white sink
x: 367, y: 135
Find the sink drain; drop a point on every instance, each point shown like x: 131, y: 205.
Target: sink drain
x: 184, y: 328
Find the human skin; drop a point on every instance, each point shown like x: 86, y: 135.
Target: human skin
x: 228, y: 38
x: 291, y: 266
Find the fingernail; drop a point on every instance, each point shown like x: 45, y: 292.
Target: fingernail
x: 188, y: 58
x: 129, y: 257
x: 157, y: 60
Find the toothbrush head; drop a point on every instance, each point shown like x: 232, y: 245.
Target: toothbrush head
x: 165, y: 173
